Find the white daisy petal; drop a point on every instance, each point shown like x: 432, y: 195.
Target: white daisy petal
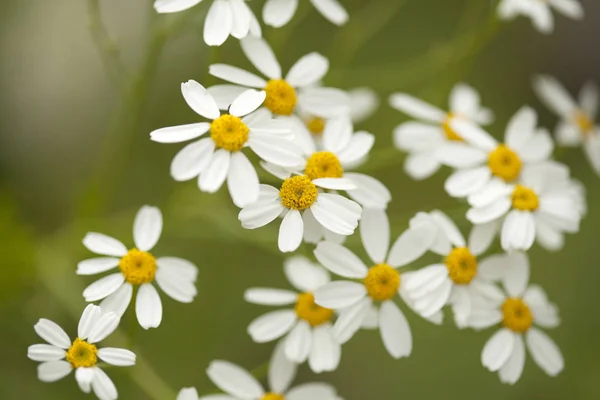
x: 218, y: 23
x: 181, y: 133
x: 498, y: 349
x: 272, y: 325
x: 460, y: 155
x: 242, y: 180
x: 105, y: 245
x: 481, y: 237
x: 589, y: 98
x: 422, y: 282
x: 298, y: 342
x: 473, y: 134
x: 45, y: 352
x: 325, y: 352
x: 340, y: 294
x: 554, y: 95
x: 281, y: 370
x: 336, y: 213
x: 332, y: 10
x: 544, y: 352
x: 449, y: 228
x: 199, y: 100
x: 334, y: 183
x: 464, y: 100
x: 324, y: 102
x: 464, y: 182
x: 234, y: 380
x: 538, y: 148
x: 188, y: 394
x: 247, y: 102
x: 190, y: 161
x: 118, y: 357
x: 541, y: 16
x: 490, y: 212
x: 412, y: 244
x: 147, y: 227
x: 172, y: 6
x: 351, y: 320
x: 304, y: 275
x: 417, y: 136
x: 260, y: 213
x: 90, y: 317
x: 277, y: 13
x: 235, y: 75
x: 357, y: 149
x: 416, y: 108
x: 240, y: 19
x: 516, y: 275
x: 363, y: 103
x: 212, y: 178
x: 261, y: 56
x: 339, y: 260
x: 395, y: 331
x: 567, y: 134
x: 491, y: 192
x: 270, y: 297
x: 118, y: 301
x: 513, y: 368
x: 337, y: 134
x: 226, y: 93
x: 308, y: 70
x: 53, y: 371
x: 84, y: 377
x: 148, y: 307
x: 375, y: 234
x: 103, y: 287
x: 291, y: 231
x: 521, y: 127
x: 310, y: 391
x: 518, y: 231
x: 103, y: 386
x: 96, y: 265
x: 175, y: 286
x: 421, y: 166
x: 105, y: 325
x: 178, y: 266
x: 276, y: 150
x: 369, y: 192
x: 434, y: 301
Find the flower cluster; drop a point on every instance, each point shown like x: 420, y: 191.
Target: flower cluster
x: 302, y: 135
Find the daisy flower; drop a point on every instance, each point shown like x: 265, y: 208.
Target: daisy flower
x: 302, y: 206
x: 433, y: 130
x: 521, y: 308
x: 455, y: 281
x: 307, y: 327
x: 485, y: 166
x: 219, y: 157
x: 61, y: 355
x: 137, y: 268
x: 377, y: 284
x: 224, y: 18
x: 577, y: 126
x: 239, y: 384
x: 277, y: 13
x: 540, y: 12
x: 542, y: 206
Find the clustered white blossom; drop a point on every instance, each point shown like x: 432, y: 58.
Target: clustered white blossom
x: 303, y: 134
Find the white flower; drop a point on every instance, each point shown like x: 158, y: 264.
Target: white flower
x: 219, y: 157
x: 307, y: 327
x: 379, y: 283
x: 138, y: 268
x: 422, y: 139
x: 238, y: 384
x: 542, y: 206
x: 455, y: 281
x: 577, y: 126
x: 187, y: 394
x: 277, y: 13
x: 484, y: 165
x: 61, y: 356
x: 539, y: 11
x: 302, y: 206
x: 224, y: 18
x: 518, y: 311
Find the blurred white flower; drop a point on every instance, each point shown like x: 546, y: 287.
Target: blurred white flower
x: 577, y: 126
x: 520, y: 308
x: 187, y: 394
x: 307, y: 327
x: 61, y: 356
x: 219, y: 158
x: 540, y: 11
x: 138, y: 267
x: 224, y: 18
x: 433, y: 130
x: 277, y: 13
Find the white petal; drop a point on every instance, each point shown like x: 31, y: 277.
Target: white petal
x: 464, y: 182
x: 178, y: 266
x: 325, y: 351
x: 412, y: 244
x: 176, y: 286
x: 545, y: 352
x: 190, y: 161
x: 513, y: 368
x: 337, y: 213
x: 416, y: 136
x: 272, y: 325
x: 241, y: 17
x: 270, y: 297
x: 199, y: 99
x: 212, y: 178
x: 181, y: 133
x: 434, y: 301
x: 147, y: 227
x: 589, y: 96
x: 516, y: 275
x: 449, y: 228
x: 260, y: 213
x: 334, y: 183
x: 45, y: 352
x: 261, y: 56
x: 277, y: 13
x: 538, y: 148
x: 460, y: 155
x: 308, y: 70
x: 498, y: 349
x: 421, y: 166
x: 52, y: 371
x: 552, y: 93
x: 337, y: 134
x: 424, y: 281
x: 489, y: 213
x: 541, y: 16
x: 242, y: 180
x: 569, y: 8
x: 481, y: 237
x: 375, y: 234
x: 235, y: 75
x: 225, y: 94
x: 492, y: 191
x: 395, y: 331
x: 187, y: 394
x: 473, y: 134
x: 148, y: 307
x: 103, y: 386
x: 363, y: 103
x: 90, y: 317
x: 276, y: 150
x: 103, y: 287
x: 291, y: 231
x: 351, y: 320
x: 84, y: 377
x: 369, y: 192
x: 96, y: 265
x: 172, y: 6
x: 521, y: 127
x: 518, y: 231
x: 464, y: 100
x: 460, y: 299
x: 247, y: 102
x: 281, y: 370
x: 218, y: 23
x: 311, y: 391
x: 298, y: 342
x: 340, y: 294
x: 105, y: 325
x: 105, y: 245
x: 234, y: 380
x: 304, y: 275
x: 332, y: 10
x: 339, y: 260
x: 323, y: 102
x: 118, y: 301
x: 118, y: 357
x: 416, y: 108
x: 357, y: 150
x: 567, y: 134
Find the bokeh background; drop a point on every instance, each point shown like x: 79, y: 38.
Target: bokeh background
x: 75, y: 157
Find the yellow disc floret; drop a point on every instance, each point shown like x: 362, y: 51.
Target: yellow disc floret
x: 281, y: 97
x: 516, y: 315
x: 138, y: 267
x: 229, y: 132
x: 298, y: 193
x: 448, y: 131
x: 462, y: 265
x: 524, y: 199
x: 82, y: 354
x: 316, y: 125
x: 273, y: 396
x: 323, y: 164
x: 308, y: 310
x: 585, y: 124
x: 505, y: 163
x: 382, y: 282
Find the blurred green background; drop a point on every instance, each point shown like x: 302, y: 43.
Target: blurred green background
x: 75, y: 157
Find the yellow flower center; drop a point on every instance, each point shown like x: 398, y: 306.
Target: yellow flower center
x: 450, y: 133
x: 229, y: 132
x: 516, y: 315
x: 504, y: 163
x: 323, y: 164
x: 462, y: 265
x: 138, y: 267
x: 281, y: 97
x: 585, y: 124
x: 82, y: 354
x: 316, y: 125
x: 308, y: 310
x: 298, y: 193
x: 273, y: 396
x: 382, y: 282
x: 524, y: 199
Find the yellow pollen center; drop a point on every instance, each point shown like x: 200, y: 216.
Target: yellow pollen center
x: 504, y: 163
x: 316, y: 125
x: 382, y: 282
x: 298, y: 193
x: 516, y: 315
x: 82, y: 354
x: 323, y: 164
x: 524, y: 199
x: 229, y: 132
x: 462, y: 265
x: 308, y: 310
x: 585, y: 124
x: 138, y: 267
x: 281, y: 97
x: 273, y: 396
x: 450, y: 133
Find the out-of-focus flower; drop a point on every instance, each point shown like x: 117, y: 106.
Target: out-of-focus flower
x: 540, y: 11
x: 277, y: 13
